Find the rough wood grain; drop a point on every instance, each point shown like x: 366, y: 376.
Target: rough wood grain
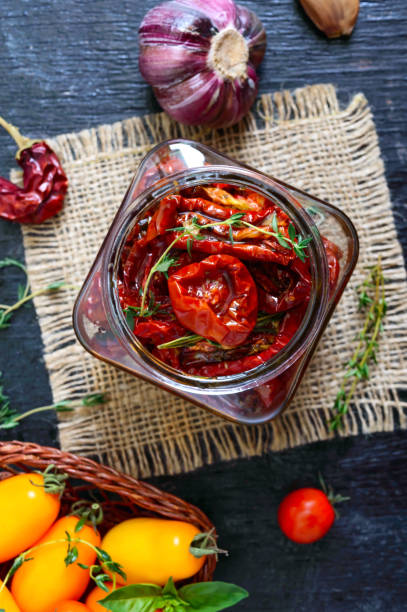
x: 67, y: 65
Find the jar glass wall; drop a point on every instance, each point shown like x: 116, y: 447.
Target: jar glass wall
x: 261, y: 393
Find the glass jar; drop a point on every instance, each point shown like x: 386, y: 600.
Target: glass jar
x: 261, y: 393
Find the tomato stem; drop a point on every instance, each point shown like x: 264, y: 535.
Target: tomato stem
x: 89, y: 513
x: 205, y: 544
x: 54, y: 481
x: 333, y: 498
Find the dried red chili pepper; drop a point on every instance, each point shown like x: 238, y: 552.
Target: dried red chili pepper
x: 138, y: 264
x: 164, y: 217
x: 157, y: 331
x: 218, y: 211
x: 45, y: 182
x: 260, y: 251
x: 215, y: 298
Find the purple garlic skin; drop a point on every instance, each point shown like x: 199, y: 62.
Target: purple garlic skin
x: 200, y: 56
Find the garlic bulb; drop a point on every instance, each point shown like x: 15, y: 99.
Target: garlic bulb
x: 201, y: 56
x: 334, y: 17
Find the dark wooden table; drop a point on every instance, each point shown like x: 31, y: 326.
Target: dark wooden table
x: 67, y: 65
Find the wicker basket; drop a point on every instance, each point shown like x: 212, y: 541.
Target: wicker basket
x: 120, y: 496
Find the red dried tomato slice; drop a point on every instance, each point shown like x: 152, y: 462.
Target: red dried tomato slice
x: 215, y: 298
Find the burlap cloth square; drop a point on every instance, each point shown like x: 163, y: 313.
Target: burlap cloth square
x: 304, y: 138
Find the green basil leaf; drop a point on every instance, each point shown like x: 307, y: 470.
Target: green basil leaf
x: 169, y: 588
x: 212, y: 596
x: 135, y: 598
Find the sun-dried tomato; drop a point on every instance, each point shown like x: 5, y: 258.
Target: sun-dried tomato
x: 215, y: 298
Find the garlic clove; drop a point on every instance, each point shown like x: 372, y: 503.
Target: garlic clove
x: 334, y: 17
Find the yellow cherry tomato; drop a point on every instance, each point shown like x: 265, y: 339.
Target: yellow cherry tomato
x: 26, y: 513
x: 40, y: 584
x: 70, y: 605
x: 151, y: 550
x: 96, y: 595
x: 7, y: 602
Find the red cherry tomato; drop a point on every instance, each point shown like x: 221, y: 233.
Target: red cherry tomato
x: 306, y: 515
x: 215, y: 298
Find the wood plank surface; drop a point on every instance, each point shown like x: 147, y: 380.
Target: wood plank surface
x: 66, y: 65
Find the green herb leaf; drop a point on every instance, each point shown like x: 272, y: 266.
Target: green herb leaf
x: 103, y: 555
x: 130, y: 316
x: 55, y: 286
x: 235, y: 217
x: 17, y: 563
x: 9, y: 261
x: 371, y: 298
x: 80, y: 524
x: 101, y: 580
x: 135, y: 598
x: 305, y: 241
x: 274, y: 223
x: 212, y: 596
x: 291, y: 232
x: 83, y: 566
x: 283, y: 242
x: 7, y: 415
x: 4, y: 319
x: 183, y: 341
x: 166, y: 264
x: 94, y: 399
x: 169, y: 588
x: 21, y: 291
x: 71, y: 556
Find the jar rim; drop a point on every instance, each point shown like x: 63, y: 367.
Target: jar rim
x: 310, y: 324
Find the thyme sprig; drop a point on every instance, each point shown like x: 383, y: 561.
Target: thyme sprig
x: 293, y: 240
x: 23, y: 292
x: 10, y: 418
x: 296, y: 241
x: 372, y: 300
x: 132, y: 312
x: 163, y: 264
x: 107, y: 571
x: 263, y: 321
x: 193, y: 229
x: 182, y: 341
